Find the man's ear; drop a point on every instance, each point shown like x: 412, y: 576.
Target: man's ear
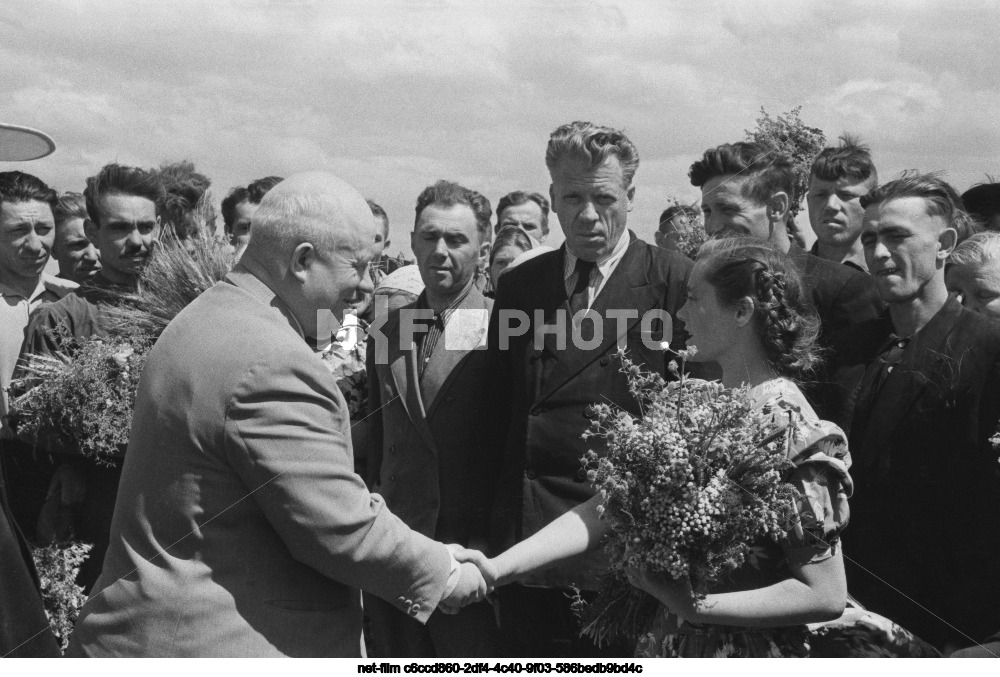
x: 947, y: 241
x: 744, y: 311
x: 552, y: 196
x: 630, y: 194
x: 301, y: 259
x: 484, y: 253
x: 385, y: 244
x: 778, y: 206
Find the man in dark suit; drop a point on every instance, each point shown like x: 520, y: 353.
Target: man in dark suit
x: 240, y: 527
x: 923, y: 546
x: 548, y: 365
x: 746, y: 191
x: 424, y: 453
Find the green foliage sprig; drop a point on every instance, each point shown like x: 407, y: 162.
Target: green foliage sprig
x: 788, y: 134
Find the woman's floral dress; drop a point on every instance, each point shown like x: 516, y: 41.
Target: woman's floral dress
x: 818, y: 450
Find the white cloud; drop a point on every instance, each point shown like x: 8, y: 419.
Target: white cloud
x: 394, y: 95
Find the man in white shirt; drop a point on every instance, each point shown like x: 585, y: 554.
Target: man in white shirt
x: 26, y: 234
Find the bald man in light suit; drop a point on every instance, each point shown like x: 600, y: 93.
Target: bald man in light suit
x: 241, y: 528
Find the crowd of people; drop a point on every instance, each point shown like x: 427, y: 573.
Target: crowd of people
x: 427, y: 450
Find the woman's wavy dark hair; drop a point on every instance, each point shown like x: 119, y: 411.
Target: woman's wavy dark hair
x: 787, y: 325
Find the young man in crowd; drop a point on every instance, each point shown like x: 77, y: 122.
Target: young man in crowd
x: 674, y: 220
x: 527, y: 211
x: 385, y: 264
x: 839, y: 178
x: 239, y: 207
x: 123, y: 205
x: 539, y: 396
x: 424, y: 452
x: 78, y: 257
x: 27, y: 230
x: 923, y: 545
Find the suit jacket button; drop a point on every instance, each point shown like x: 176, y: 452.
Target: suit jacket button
x: 535, y: 411
x: 605, y: 361
x: 530, y: 474
x: 392, y: 478
x: 392, y: 448
x: 401, y: 600
x: 414, y: 610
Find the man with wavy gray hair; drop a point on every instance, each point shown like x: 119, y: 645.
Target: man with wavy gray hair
x: 925, y: 382
x: 603, y: 288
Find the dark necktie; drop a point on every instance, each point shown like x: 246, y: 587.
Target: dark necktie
x: 578, y: 297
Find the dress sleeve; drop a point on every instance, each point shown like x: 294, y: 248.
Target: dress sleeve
x: 818, y: 450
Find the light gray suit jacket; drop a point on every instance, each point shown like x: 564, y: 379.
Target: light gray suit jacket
x: 240, y: 527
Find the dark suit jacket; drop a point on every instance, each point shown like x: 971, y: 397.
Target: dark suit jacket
x: 924, y: 516
x: 24, y: 628
x: 425, y: 458
x: 240, y: 527
x: 540, y: 397
x: 842, y: 296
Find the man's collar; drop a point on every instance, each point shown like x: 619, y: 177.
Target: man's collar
x: 603, y: 263
x: 243, y: 278
x: 9, y: 291
x: 423, y: 304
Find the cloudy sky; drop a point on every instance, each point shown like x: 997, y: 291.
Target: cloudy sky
x: 395, y: 95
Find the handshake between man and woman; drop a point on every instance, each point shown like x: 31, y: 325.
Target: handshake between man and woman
x: 478, y: 576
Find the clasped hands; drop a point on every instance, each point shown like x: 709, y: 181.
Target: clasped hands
x: 477, y: 578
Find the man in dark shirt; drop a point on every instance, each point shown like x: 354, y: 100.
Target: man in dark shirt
x: 923, y: 546
x: 124, y: 205
x: 839, y: 178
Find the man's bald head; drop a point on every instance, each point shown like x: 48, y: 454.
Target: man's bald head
x: 314, y: 207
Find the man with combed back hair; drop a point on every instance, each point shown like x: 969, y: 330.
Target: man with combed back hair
x: 241, y: 528
x: 923, y: 545
x: 746, y: 190
x: 540, y: 393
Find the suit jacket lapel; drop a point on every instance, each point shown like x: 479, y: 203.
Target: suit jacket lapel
x: 626, y: 288
x: 465, y: 331
x: 403, y: 366
x: 905, y: 384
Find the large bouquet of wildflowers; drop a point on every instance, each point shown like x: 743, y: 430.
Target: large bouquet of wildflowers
x: 687, y: 487
x: 80, y: 400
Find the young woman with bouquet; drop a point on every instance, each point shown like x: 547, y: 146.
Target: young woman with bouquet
x: 745, y: 311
